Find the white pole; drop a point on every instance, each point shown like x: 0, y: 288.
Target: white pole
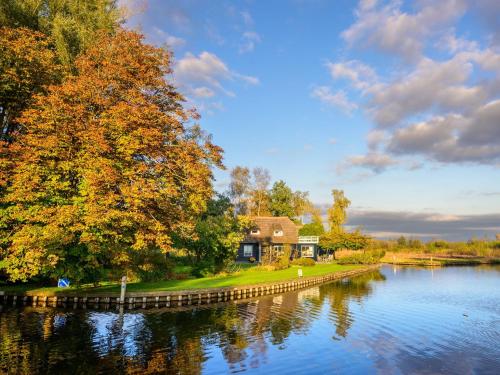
x: 123, y: 288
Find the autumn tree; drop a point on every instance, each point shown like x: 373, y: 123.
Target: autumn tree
x: 301, y: 204
x: 27, y: 66
x: 39, y: 42
x: 110, y: 165
x: 337, y: 214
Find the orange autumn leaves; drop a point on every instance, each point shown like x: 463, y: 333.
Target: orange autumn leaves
x: 108, y: 165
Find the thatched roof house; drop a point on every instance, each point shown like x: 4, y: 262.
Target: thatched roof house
x: 270, y: 234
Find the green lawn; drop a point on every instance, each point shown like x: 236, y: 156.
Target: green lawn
x: 248, y: 276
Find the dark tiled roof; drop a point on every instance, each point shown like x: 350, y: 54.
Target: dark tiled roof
x: 268, y: 224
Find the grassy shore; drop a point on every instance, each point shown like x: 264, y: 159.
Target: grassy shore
x: 420, y: 259
x: 248, y: 276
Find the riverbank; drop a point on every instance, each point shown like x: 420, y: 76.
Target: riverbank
x: 435, y: 260
x: 246, y: 276
x: 170, y: 296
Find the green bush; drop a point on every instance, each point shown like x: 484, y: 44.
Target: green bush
x: 304, y: 262
x: 366, y: 257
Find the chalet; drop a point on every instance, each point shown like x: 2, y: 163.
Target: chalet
x: 270, y: 235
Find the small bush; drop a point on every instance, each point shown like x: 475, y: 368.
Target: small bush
x: 367, y: 257
x: 251, y: 260
x: 284, y: 260
x: 304, y: 262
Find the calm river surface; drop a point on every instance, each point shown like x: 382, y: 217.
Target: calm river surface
x: 396, y: 321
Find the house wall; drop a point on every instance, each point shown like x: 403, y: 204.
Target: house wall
x: 255, y: 252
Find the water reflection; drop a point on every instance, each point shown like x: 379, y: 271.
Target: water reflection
x: 291, y: 332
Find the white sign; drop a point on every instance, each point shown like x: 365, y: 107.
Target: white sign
x: 300, y: 272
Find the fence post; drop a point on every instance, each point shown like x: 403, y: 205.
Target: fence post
x: 123, y: 289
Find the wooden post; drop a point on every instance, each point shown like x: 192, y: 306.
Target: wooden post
x: 123, y: 289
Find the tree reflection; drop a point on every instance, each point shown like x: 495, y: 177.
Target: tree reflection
x: 38, y: 340
x: 342, y: 292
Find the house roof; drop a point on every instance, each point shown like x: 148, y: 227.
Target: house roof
x: 267, y: 225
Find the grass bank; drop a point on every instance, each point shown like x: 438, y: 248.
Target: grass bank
x: 422, y: 259
x: 248, y: 276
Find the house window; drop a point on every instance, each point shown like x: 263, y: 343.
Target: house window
x: 247, y: 250
x: 278, y: 250
x: 254, y: 231
x: 307, y: 251
x: 278, y: 233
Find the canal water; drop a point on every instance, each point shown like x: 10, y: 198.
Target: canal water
x: 392, y: 321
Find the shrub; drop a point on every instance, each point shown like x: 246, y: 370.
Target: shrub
x: 367, y: 257
x: 284, y: 260
x: 262, y: 267
x: 251, y: 260
x: 305, y: 262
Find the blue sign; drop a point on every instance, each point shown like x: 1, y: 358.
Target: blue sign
x: 62, y: 283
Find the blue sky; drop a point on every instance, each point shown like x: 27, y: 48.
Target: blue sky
x: 397, y: 103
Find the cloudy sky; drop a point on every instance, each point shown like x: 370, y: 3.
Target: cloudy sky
x: 397, y: 103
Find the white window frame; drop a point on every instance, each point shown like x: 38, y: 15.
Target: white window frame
x: 310, y: 248
x: 255, y: 231
x: 278, y: 233
x: 245, y: 248
x: 278, y: 250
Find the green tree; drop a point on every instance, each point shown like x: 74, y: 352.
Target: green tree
x: 281, y: 200
x: 216, y: 237
x: 402, y: 241
x: 333, y: 241
x: 315, y: 227
x: 72, y: 25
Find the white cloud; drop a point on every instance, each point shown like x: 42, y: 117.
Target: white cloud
x: 203, y: 92
x: 472, y: 138
x: 247, y: 18
x: 337, y: 99
x: 443, y: 218
x: 272, y: 151
x: 172, y: 41
x: 375, y: 161
x: 249, y: 40
x: 444, y: 108
x: 394, y: 31
x: 360, y: 75
x: 204, y: 74
x: 391, y: 224
x: 375, y: 138
x: 431, y: 85
x: 453, y: 44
